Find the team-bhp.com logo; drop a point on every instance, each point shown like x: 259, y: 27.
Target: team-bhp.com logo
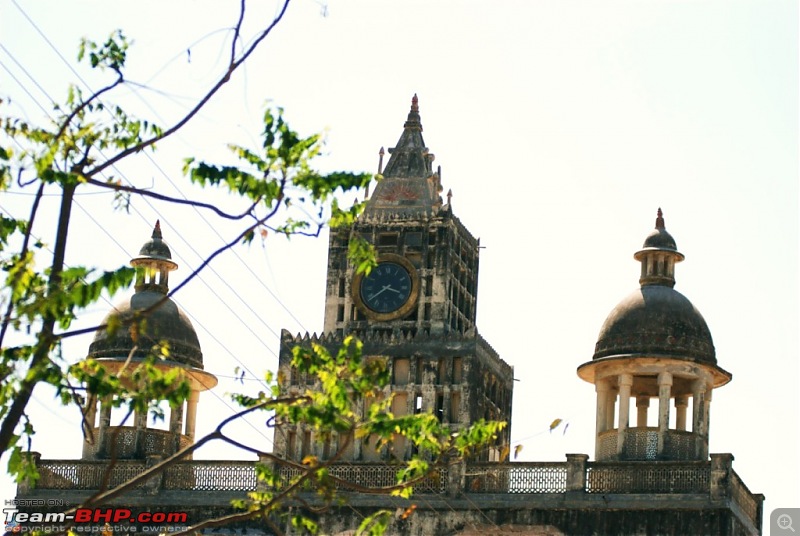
x: 17, y: 521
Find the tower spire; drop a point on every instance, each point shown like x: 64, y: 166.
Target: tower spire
x: 660, y: 219
x: 410, y: 186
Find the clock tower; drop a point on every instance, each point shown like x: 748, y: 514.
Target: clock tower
x: 416, y: 308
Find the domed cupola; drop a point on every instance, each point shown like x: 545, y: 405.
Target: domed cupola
x: 163, y: 321
x: 654, y: 344
x: 656, y: 319
x: 149, y: 319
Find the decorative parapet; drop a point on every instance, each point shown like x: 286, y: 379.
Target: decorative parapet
x: 374, y: 476
x: 528, y: 477
x: 641, y: 443
x: 751, y: 505
x: 84, y: 475
x: 211, y: 476
x: 648, y: 477
x: 712, y: 481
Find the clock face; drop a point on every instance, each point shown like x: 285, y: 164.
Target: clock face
x: 387, y: 287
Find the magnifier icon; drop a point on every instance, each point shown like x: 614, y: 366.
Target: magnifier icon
x: 785, y: 522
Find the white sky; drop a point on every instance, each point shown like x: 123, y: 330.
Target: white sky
x: 560, y: 126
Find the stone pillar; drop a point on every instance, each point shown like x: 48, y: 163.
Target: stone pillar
x: 176, y: 420
x: 456, y: 477
x: 604, y: 401
x: 602, y: 389
x: 698, y: 419
x: 153, y: 484
x: 90, y: 417
x: 721, y: 467
x: 610, y: 408
x: 707, y: 423
x: 25, y: 485
x: 102, y: 430
x: 175, y: 428
x: 642, y: 403
x: 140, y: 425
x: 625, y: 382
x: 191, y: 414
x: 261, y: 485
x: 681, y: 403
x: 576, y: 473
x: 664, y: 392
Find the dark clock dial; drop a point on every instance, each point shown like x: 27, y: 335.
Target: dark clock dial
x: 386, y: 288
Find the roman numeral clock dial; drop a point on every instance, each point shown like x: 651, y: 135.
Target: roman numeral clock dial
x: 389, y: 291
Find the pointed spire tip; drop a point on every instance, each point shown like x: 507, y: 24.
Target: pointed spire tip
x: 660, y: 219
x: 157, y: 230
x: 415, y: 103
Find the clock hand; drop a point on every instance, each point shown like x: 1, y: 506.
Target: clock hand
x: 385, y: 287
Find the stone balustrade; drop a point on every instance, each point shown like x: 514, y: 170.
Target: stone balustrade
x: 714, y: 479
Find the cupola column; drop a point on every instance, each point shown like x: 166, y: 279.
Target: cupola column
x: 625, y: 382
x: 699, y: 418
x: 603, y: 389
x: 664, y: 393
x: 642, y: 404
x: 681, y: 403
x: 102, y: 427
x: 611, y: 406
x: 90, y: 417
x: 191, y: 413
x: 176, y: 420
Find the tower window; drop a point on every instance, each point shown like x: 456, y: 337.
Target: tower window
x: 457, y: 370
x: 341, y: 287
x: 388, y: 239
x: 340, y: 313
x: 413, y: 239
x: 401, y: 371
x: 442, y: 373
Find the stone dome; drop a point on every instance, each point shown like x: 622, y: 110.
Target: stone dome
x: 656, y: 321
x: 165, y: 323
x: 660, y: 239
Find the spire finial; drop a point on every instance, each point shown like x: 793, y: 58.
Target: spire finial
x: 414, y: 103
x: 157, y: 230
x: 660, y: 219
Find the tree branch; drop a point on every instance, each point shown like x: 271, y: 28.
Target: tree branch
x: 179, y: 201
x: 232, y: 66
x: 171, y: 460
x: 23, y: 251
x: 46, y: 335
x: 191, y: 276
x: 84, y: 104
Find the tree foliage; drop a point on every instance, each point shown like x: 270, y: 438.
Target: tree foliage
x: 41, y: 296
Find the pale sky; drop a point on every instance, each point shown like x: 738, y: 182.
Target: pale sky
x: 560, y: 126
